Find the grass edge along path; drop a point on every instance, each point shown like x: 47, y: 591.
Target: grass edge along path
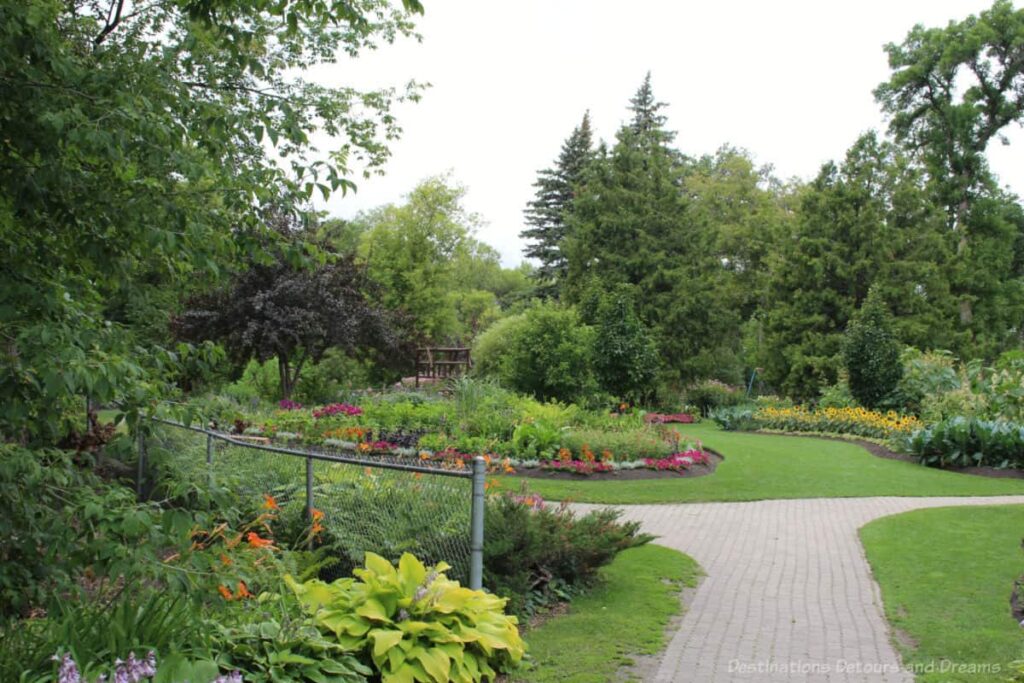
x: 625, y: 614
x: 945, y: 576
x: 770, y: 466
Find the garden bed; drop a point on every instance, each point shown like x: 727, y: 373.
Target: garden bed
x: 697, y: 470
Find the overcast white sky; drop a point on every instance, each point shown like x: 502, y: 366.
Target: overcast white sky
x: 788, y: 80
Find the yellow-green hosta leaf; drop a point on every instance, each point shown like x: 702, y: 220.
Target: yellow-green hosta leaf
x: 453, y: 599
x: 384, y: 640
x: 343, y: 622
x: 381, y: 567
x: 411, y: 572
x: 408, y: 672
x: 373, y: 609
x: 436, y: 663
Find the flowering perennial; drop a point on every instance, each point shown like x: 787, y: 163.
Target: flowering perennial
x: 337, y: 409
x: 857, y: 421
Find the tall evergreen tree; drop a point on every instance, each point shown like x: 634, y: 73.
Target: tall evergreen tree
x: 867, y: 221
x: 547, y: 213
x: 629, y: 226
x: 648, y: 124
x: 871, y: 352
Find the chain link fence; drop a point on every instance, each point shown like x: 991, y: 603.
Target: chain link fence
x: 381, y: 504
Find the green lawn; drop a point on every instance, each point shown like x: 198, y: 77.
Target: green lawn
x: 625, y: 615
x: 946, y: 576
x: 762, y: 466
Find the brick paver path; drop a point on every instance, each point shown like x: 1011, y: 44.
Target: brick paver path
x: 788, y: 594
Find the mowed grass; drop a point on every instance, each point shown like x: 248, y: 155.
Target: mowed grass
x: 626, y: 614
x: 946, y: 576
x: 766, y: 466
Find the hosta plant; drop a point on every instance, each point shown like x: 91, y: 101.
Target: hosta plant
x: 415, y: 624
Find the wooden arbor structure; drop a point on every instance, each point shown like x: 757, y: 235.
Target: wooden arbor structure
x: 441, y: 362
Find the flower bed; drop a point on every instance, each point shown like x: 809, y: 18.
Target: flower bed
x: 854, y: 421
x: 440, y: 434
x: 672, y: 418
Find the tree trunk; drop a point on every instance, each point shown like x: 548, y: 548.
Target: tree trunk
x: 285, y: 379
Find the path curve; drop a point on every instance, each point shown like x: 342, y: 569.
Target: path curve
x: 788, y: 594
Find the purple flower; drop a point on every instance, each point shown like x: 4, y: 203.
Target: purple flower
x: 233, y: 677
x: 68, y: 671
x: 289, y: 405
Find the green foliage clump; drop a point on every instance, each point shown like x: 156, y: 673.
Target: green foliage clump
x: 285, y: 647
x: 414, y: 625
x: 711, y: 394
x: 969, y: 442
x: 837, y: 395
x: 871, y: 353
x: 492, y: 348
x: 736, y: 418
x: 58, y: 518
x: 535, y: 553
x: 926, y: 376
x: 625, y: 355
x: 550, y: 355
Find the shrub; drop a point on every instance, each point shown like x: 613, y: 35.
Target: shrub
x: 837, y: 396
x: 534, y: 553
x: 711, y: 394
x: 550, y: 357
x: 926, y: 376
x: 871, y: 353
x: 492, y: 348
x: 414, y: 625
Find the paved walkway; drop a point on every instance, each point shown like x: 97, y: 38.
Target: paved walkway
x: 788, y: 594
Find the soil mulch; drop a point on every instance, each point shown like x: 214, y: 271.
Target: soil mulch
x: 626, y: 475
x: 880, y: 451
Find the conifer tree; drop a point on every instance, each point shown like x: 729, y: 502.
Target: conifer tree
x: 872, y: 352
x: 548, y: 212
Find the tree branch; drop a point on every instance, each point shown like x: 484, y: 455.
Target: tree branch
x: 110, y: 25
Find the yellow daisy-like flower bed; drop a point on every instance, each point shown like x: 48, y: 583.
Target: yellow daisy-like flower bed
x: 857, y: 421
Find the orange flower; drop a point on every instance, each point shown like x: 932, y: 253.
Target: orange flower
x: 225, y: 592
x: 509, y: 469
x: 225, y: 560
x: 369, y: 471
x: 243, y: 591
x: 256, y: 542
x: 269, y: 503
x: 316, y: 528
x: 424, y: 455
x: 564, y: 454
x: 317, y: 515
x: 418, y: 475
x: 363, y: 447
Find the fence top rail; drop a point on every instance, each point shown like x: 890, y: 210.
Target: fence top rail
x: 328, y: 457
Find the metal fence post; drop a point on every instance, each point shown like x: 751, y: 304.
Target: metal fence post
x: 309, y: 489
x: 142, y: 462
x: 476, y: 523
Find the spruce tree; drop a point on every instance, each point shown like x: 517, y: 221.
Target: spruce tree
x: 548, y: 212
x: 648, y: 124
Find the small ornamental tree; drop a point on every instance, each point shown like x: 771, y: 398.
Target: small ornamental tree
x: 625, y: 354
x: 288, y: 310
x: 871, y: 352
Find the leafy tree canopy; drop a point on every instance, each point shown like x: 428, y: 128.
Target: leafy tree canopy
x: 289, y: 311
x: 135, y: 139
